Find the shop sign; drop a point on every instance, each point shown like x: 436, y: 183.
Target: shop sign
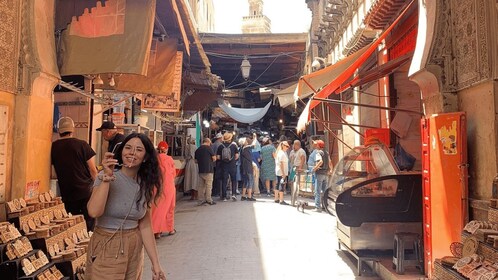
x: 32, y: 189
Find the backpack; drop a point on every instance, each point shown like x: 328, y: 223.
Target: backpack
x: 226, y: 153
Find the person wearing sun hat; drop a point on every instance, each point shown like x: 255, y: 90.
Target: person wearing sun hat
x: 74, y: 164
x: 163, y: 211
x: 228, y: 167
x: 110, y: 133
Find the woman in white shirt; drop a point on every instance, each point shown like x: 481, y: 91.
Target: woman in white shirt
x: 282, y: 171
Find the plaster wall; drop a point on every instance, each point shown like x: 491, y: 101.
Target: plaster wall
x: 33, y: 139
x: 479, y: 104
x: 33, y: 108
x: 370, y: 116
x: 8, y: 100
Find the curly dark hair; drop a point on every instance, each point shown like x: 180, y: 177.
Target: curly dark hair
x: 149, y: 175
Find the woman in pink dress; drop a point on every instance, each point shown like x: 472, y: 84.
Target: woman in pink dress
x: 163, y: 212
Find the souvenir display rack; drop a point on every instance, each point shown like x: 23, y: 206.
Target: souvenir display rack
x: 20, y: 261
x: 476, y: 257
x: 51, y: 235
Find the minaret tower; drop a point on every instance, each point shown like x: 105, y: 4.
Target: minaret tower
x: 256, y: 22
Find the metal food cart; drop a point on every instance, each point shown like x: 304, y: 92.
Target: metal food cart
x: 372, y: 199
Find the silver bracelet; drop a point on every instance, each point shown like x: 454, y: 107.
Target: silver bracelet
x: 106, y: 178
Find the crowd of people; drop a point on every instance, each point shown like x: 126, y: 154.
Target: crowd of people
x: 222, y: 166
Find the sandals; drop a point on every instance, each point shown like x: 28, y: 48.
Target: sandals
x: 159, y: 235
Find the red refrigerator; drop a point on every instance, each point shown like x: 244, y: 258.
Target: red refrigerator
x: 444, y: 179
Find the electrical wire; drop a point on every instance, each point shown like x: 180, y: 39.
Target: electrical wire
x: 240, y: 57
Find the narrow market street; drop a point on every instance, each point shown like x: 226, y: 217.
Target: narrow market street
x: 252, y: 240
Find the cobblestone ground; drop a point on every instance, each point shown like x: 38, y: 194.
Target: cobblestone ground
x: 252, y: 240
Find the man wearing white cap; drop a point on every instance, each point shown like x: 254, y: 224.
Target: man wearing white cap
x: 74, y: 163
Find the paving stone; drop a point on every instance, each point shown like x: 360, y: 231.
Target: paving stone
x: 251, y: 240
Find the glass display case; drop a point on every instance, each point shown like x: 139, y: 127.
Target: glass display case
x: 361, y: 164
x: 372, y: 199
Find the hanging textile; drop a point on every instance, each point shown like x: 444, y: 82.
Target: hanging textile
x: 245, y: 115
x: 111, y: 38
x: 163, y: 71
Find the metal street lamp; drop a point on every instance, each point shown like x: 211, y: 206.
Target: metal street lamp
x: 245, y: 68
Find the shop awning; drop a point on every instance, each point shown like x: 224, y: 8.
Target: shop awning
x: 344, y: 76
x: 338, y: 82
x: 286, y: 96
x: 376, y: 73
x: 312, y: 83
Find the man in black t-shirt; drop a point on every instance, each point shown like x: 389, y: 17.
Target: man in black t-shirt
x: 110, y: 133
x: 74, y: 163
x: 205, y: 157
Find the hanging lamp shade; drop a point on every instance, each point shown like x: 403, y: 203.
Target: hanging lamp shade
x: 245, y: 68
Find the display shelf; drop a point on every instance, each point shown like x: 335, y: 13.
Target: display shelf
x: 34, y: 276
x: 44, y: 243
x: 18, y: 220
x: 70, y: 267
x: 3, y: 249
x: 12, y: 269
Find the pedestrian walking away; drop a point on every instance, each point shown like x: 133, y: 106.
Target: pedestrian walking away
x: 246, y: 170
x: 228, y: 154
x: 218, y: 175
x: 163, y: 211
x: 205, y: 158
x: 267, y: 174
x: 74, y: 164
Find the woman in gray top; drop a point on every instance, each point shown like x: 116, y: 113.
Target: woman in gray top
x: 120, y: 202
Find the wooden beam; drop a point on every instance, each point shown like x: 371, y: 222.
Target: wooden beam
x: 266, y: 38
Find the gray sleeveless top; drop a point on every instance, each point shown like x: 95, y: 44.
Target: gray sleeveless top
x: 123, y: 194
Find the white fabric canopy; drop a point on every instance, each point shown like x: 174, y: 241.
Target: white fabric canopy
x: 245, y: 115
x: 304, y: 119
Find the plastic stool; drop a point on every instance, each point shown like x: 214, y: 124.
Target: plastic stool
x: 400, y: 259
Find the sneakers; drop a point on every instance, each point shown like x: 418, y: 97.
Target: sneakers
x: 283, y: 203
x: 234, y: 198
x: 225, y: 200
x: 251, y: 199
x: 318, y: 210
x: 268, y: 195
x: 211, y: 203
x: 243, y: 198
x: 277, y: 201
